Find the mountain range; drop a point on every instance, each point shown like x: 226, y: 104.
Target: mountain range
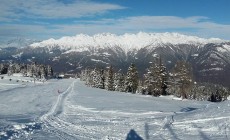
x: 209, y: 58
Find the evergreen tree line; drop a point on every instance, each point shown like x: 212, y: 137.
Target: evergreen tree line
x: 27, y: 70
x: 156, y: 81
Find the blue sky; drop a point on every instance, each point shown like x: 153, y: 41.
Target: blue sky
x: 43, y: 19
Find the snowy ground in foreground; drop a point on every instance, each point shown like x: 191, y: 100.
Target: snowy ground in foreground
x: 39, y: 111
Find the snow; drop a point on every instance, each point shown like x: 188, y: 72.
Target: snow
x: 212, y: 69
x: 70, y: 63
x: 195, y: 55
x: 225, y: 48
x: 17, y: 75
x: 39, y: 111
x: 95, y: 60
x: 18, y: 42
x: 18, y: 127
x: 106, y: 54
x: 17, y: 55
x: 127, y: 42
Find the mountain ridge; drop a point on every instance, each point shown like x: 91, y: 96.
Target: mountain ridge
x: 209, y: 58
x: 126, y: 41
x: 18, y: 42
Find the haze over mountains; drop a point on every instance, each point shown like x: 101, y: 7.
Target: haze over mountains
x: 210, y: 58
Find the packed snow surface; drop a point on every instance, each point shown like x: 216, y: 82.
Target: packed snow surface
x: 127, y: 42
x: 67, y: 109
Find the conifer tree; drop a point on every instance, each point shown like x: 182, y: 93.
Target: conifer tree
x: 119, y: 82
x: 23, y: 70
x: 163, y: 77
x: 84, y: 75
x: 31, y: 70
x: 87, y: 77
x: 156, y: 79
x: 49, y: 71
x: 131, y: 82
x: 101, y: 79
x: 43, y: 72
x: 11, y: 69
x: 183, y: 77
x: 110, y: 79
x: 1, y: 68
x: 95, y: 78
x: 149, y: 84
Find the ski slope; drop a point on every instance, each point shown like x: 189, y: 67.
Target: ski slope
x: 39, y: 111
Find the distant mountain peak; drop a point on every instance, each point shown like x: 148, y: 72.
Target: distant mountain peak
x: 126, y: 41
x: 18, y: 42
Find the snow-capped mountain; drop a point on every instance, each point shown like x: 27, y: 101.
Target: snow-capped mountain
x: 210, y: 58
x: 126, y: 42
x: 19, y: 42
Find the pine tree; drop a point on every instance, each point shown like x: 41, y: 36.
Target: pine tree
x: 23, y: 70
x: 87, y: 77
x: 83, y: 75
x: 43, y: 72
x: 140, y: 88
x: 149, y: 81
x: 95, y: 79
x: 17, y: 68
x: 163, y: 79
x: 101, y: 79
x: 183, y: 77
x: 49, y: 72
x: 131, y: 82
x: 110, y: 79
x: 1, y: 68
x: 31, y: 70
x: 156, y: 79
x: 119, y: 82
x: 11, y: 69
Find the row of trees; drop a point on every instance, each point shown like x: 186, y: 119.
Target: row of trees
x: 27, y: 70
x: 156, y: 81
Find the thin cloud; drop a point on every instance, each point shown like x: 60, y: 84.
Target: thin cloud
x: 151, y: 22
x: 52, y: 9
x: 200, y: 26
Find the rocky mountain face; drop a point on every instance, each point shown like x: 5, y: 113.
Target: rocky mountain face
x: 210, y: 58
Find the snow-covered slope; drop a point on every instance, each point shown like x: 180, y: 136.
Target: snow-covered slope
x: 38, y: 111
x: 127, y: 41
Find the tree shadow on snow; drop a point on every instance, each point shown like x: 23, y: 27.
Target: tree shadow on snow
x: 169, y: 128
x: 146, y: 131
x: 188, y: 109
x: 202, y: 134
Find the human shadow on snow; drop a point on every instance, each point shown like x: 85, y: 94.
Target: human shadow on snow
x: 132, y: 135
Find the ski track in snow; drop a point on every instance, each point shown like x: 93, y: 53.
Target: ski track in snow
x: 80, y: 112
x: 78, y: 121
x: 62, y: 128
x: 55, y: 123
x: 68, y: 119
x: 51, y: 120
